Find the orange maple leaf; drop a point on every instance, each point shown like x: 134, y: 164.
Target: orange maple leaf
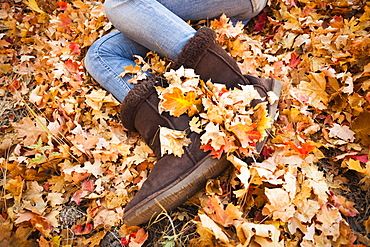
x: 72, y: 66
x: 177, y: 102
x: 216, y: 154
x: 40, y: 223
x: 140, y: 236
x: 65, y: 22
x: 237, y: 48
x: 305, y: 148
x: 62, y: 5
x: 226, y: 216
x: 246, y: 133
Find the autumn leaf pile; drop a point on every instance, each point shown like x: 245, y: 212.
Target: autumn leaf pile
x: 69, y: 168
x: 225, y: 119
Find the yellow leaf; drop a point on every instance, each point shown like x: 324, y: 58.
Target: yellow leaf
x: 362, y: 128
x: 130, y: 70
x: 316, y: 89
x: 355, y: 165
x: 263, y: 119
x: 177, y: 102
x: 5, y: 68
x: 33, y: 5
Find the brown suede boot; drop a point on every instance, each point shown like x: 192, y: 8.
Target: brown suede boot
x: 263, y: 86
x: 210, y: 61
x: 175, y: 179
x: 172, y: 180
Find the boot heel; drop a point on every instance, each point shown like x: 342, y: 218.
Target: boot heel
x: 272, y: 109
x: 276, y: 88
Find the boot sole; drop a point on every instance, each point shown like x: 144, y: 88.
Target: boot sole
x: 272, y: 109
x: 176, y: 193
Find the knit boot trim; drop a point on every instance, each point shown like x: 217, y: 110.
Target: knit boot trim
x: 134, y: 99
x: 194, y: 49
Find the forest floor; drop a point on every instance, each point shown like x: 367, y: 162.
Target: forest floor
x: 68, y: 167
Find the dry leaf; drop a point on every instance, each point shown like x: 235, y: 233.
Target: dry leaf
x: 342, y: 132
x: 173, y: 141
x: 177, y: 103
x: 211, y: 225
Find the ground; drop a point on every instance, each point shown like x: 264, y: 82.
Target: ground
x: 68, y: 166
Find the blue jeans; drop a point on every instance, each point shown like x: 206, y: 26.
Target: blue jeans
x: 157, y: 25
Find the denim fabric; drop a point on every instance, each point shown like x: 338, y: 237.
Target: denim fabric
x: 144, y: 25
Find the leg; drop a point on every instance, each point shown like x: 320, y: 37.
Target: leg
x: 240, y: 10
x: 160, y: 26
x: 107, y: 56
x: 150, y: 24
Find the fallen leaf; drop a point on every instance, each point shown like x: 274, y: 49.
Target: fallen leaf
x: 177, y: 103
x: 279, y: 204
x: 82, y: 229
x: 87, y: 188
x: 173, y: 141
x: 246, y: 134
x: 216, y: 230
x: 246, y: 231
x: 342, y: 132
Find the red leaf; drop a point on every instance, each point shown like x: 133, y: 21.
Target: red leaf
x: 261, y: 22
x: 65, y: 21
x: 362, y: 158
x: 72, y: 66
x: 62, y: 5
x: 87, y: 188
x: 294, y: 60
x: 75, y: 48
x: 83, y: 229
x: 266, y: 152
x: 216, y: 154
x: 46, y: 186
x: 125, y: 241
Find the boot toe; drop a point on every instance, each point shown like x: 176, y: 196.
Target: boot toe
x: 167, y: 188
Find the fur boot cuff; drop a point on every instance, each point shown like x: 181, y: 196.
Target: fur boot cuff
x: 133, y: 100
x: 194, y: 49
